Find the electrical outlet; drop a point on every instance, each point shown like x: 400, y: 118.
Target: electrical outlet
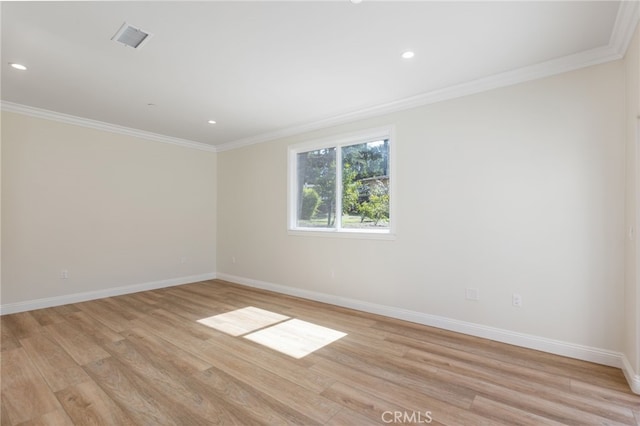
x: 517, y: 300
x: 64, y: 274
x: 183, y: 260
x: 472, y: 293
x: 233, y: 259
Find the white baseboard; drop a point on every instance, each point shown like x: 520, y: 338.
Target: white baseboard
x: 572, y: 350
x: 632, y: 377
x: 29, y: 305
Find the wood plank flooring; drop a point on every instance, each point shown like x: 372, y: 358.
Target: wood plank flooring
x: 143, y: 359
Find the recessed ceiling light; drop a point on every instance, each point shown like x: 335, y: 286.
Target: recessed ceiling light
x: 408, y: 54
x: 211, y: 122
x: 18, y: 66
x: 356, y: 1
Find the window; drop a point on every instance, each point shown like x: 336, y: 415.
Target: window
x: 342, y: 185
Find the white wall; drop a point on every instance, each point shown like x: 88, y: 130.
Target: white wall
x: 519, y: 189
x: 113, y: 210
x: 632, y: 283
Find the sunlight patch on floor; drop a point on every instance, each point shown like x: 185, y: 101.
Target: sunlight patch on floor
x: 295, y: 338
x: 289, y: 336
x: 243, y: 321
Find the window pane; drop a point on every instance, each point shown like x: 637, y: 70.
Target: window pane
x: 365, y: 185
x: 317, y: 189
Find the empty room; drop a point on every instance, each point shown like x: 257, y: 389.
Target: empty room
x: 344, y: 212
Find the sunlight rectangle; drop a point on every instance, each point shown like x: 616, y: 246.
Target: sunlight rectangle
x: 295, y: 338
x: 242, y: 321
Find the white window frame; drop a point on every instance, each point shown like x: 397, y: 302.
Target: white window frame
x: 339, y: 141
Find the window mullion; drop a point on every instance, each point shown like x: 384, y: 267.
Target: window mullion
x: 338, y: 211
x: 369, y: 193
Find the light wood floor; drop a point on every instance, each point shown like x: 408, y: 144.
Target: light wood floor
x: 144, y: 359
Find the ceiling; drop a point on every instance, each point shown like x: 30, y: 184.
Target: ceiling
x: 268, y: 69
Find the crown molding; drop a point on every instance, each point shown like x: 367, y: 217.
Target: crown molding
x: 100, y: 125
x: 623, y: 30
x: 624, y: 27
x: 509, y: 78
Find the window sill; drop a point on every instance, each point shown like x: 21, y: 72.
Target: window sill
x: 350, y: 234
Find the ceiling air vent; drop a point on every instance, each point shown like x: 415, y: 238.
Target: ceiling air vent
x: 131, y: 36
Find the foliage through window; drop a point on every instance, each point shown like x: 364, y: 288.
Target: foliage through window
x: 342, y: 186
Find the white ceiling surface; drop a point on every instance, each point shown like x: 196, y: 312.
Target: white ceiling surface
x: 266, y: 69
